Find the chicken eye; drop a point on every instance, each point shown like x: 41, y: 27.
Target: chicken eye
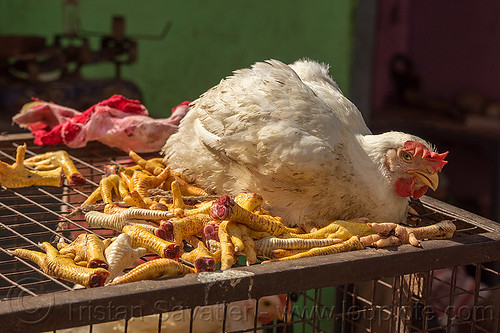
x: 406, y: 156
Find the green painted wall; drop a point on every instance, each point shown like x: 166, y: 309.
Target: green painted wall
x: 208, y: 39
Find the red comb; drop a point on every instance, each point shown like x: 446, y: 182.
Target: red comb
x: 436, y: 160
x: 185, y: 103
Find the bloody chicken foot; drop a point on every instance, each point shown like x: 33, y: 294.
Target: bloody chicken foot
x: 59, y: 266
x: 142, y: 238
x: 154, y: 269
x: 224, y: 208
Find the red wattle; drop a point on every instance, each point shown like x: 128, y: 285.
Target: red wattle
x: 404, y: 187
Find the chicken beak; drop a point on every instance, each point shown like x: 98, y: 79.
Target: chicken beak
x: 426, y: 178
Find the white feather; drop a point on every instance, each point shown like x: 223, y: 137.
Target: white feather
x: 288, y: 133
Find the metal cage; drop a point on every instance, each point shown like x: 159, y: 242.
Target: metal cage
x: 445, y: 286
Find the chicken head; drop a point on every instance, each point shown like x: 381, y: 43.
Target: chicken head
x: 416, y: 168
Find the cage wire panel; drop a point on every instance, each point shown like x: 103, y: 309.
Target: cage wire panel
x: 445, y: 286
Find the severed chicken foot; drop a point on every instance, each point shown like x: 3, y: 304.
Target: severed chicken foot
x: 200, y: 256
x: 154, y: 269
x: 54, y: 159
x: 265, y: 246
x: 142, y: 238
x: 389, y: 234
x: 16, y: 175
x: 120, y: 254
x: 62, y: 267
x: 227, y: 248
x: 154, y: 165
x: 338, y: 229
x: 86, y: 247
x: 225, y: 208
x: 179, y: 229
x: 352, y: 244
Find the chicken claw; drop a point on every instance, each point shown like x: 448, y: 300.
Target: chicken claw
x: 142, y: 238
x: 351, y: 244
x: 153, y: 165
x: 200, y: 256
x: 249, y: 201
x: 54, y: 159
x: 398, y: 234
x: 178, y: 229
x: 89, y: 248
x: 227, y: 247
x: 62, y: 267
x: 154, y: 269
x: 224, y: 208
x: 120, y: 254
x: 16, y: 175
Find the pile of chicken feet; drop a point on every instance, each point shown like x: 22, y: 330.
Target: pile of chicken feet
x: 146, y: 205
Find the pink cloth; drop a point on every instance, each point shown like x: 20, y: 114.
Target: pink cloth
x: 117, y: 122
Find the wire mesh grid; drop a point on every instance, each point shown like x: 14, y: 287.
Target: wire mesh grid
x: 454, y: 299
x: 429, y: 290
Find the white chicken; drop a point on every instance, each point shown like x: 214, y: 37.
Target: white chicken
x: 288, y: 133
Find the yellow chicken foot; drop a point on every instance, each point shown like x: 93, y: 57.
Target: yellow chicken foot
x: 179, y: 229
x: 112, y: 184
x: 142, y: 183
x: 16, y: 175
x: 249, y: 201
x: 155, y: 269
x: 59, y: 266
x: 224, y: 208
x: 351, y: 244
x: 53, y: 160
x: 154, y: 165
x: 266, y: 245
x: 338, y: 229
x: 89, y: 248
x: 177, y: 201
x: 235, y: 234
x: 134, y: 199
x: 142, y: 238
x: 249, y: 245
x: 201, y: 208
x: 200, y: 256
x: 186, y: 188
x: 227, y: 247
x: 408, y: 235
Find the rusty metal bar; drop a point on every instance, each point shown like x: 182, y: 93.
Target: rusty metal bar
x: 48, y: 211
x: 17, y: 285
x: 29, y: 219
x: 449, y: 314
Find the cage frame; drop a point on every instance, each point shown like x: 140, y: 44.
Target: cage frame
x: 65, y: 309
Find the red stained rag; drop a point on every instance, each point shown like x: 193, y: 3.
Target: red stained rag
x: 117, y: 122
